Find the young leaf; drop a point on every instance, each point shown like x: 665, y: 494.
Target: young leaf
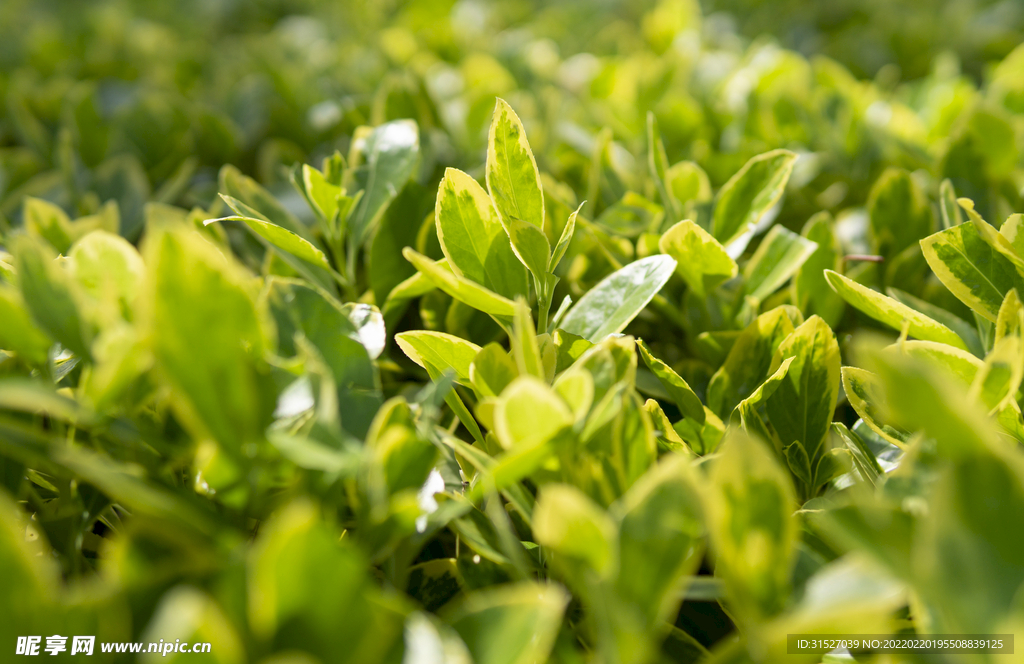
x: 529, y: 413
x: 610, y: 305
x: 234, y: 185
x: 492, y: 370
x: 462, y: 289
x: 887, y: 310
x: 513, y: 179
x: 749, y: 504
x: 994, y: 238
x: 509, y: 624
x: 748, y: 361
x: 322, y: 195
x: 865, y: 393
x: 281, y: 238
x: 472, y: 237
x: 1010, y: 320
x: 569, y: 523
x: 51, y: 296
x: 657, y: 164
x: 700, y: 260
x: 683, y: 396
x: 440, y: 350
x: 898, y: 211
x: 801, y: 408
x: 564, y: 240
x: 748, y: 194
x: 390, y: 152
x: 978, y: 275
x: 778, y: 257
x: 525, y: 348
x: 811, y: 292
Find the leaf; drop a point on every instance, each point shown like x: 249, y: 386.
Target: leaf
x: 680, y: 392
x: 525, y: 348
x: 609, y: 306
x: 492, y: 370
x: 968, y: 332
x: 281, y: 238
x: 748, y: 361
x: 391, y: 152
x: 511, y: 624
x: 657, y: 164
x: 569, y: 523
x: 472, y: 236
x: 887, y: 310
x: 743, y: 200
x: 529, y: 413
x: 898, y: 211
x: 999, y: 378
x: 531, y: 246
x: 50, y: 296
x: 864, y: 391
x: 749, y: 503
x: 513, y: 179
x: 748, y: 409
x: 811, y: 291
x: 973, y: 271
x: 991, y: 236
x: 801, y: 408
x: 369, y: 327
x: 461, y: 289
x: 322, y: 195
x: 778, y: 257
x: 661, y: 533
x: 440, y: 350
x: 564, y: 240
x: 207, y: 339
x: 1010, y: 320
x: 48, y: 221
x: 700, y: 260
x: 19, y: 333
x: 109, y: 271
x: 234, y: 185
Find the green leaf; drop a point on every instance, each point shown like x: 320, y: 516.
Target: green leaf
x: 683, y: 396
x: 531, y: 246
x: 748, y: 409
x: 948, y: 207
x: 749, y: 504
x: 50, y: 296
x: 894, y: 314
x: 109, y: 271
x: 748, y: 361
x: 700, y: 260
x: 492, y: 370
x: 990, y: 235
x: 513, y: 179
x: 48, y: 221
x: 462, y: 289
x: 529, y: 413
x: 218, y: 385
x: 512, y: 624
x: 865, y: 393
x: 743, y: 200
x: 968, y: 332
x: 391, y: 152
x: 233, y: 184
x: 661, y: 533
x: 801, y: 408
x: 472, y: 236
x: 610, y: 305
x: 442, y: 351
x: 525, y: 347
x: 321, y: 194
x: 657, y: 164
x: 19, y: 333
x: 778, y: 257
x: 564, y: 240
x: 973, y: 271
x: 899, y: 213
x: 811, y: 292
x: 281, y: 238
x: 569, y: 523
x: 1010, y: 320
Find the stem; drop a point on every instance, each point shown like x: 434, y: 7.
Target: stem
x: 543, y: 309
